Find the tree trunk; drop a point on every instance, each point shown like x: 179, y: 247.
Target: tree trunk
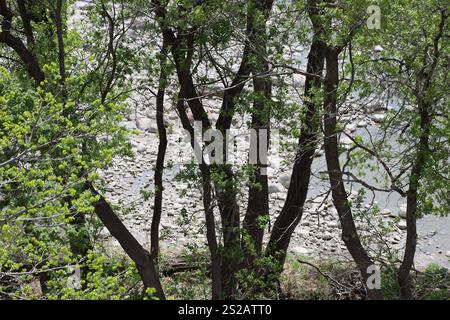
x: 132, y: 247
x: 404, y: 277
x: 291, y: 213
x: 339, y: 194
x: 257, y: 213
x: 216, y: 268
x: 156, y: 218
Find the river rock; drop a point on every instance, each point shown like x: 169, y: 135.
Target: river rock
x: 141, y: 148
x: 146, y: 124
x: 447, y: 254
x: 351, y: 127
x: 300, y: 250
x: 402, y: 211
x: 285, y: 179
x: 378, y: 48
x: 334, y: 225
x: 298, y: 79
x: 379, y: 117
x: 274, y: 188
x: 362, y: 124
x: 327, y: 236
x: 402, y: 225
x: 346, y: 141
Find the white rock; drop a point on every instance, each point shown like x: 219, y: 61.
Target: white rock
x: 300, y: 250
x: 385, y: 212
x: 327, y: 236
x: 318, y: 153
x: 379, y: 117
x: 346, y: 140
x: 362, y: 124
x: 351, y: 127
x: 104, y: 233
x: 402, y: 211
x: 402, y: 225
x: 141, y: 148
x: 285, y: 179
x: 146, y: 124
x: 378, y: 48
x: 274, y: 164
x: 303, y: 232
x: 447, y: 254
x: 334, y: 225
x: 299, y: 80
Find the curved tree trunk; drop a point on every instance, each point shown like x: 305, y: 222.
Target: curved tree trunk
x: 256, y: 217
x: 339, y: 194
x: 156, y: 218
x: 291, y: 213
x: 132, y: 247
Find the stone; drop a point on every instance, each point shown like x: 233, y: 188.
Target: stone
x: 274, y: 164
x: 146, y: 124
x: 447, y: 254
x: 402, y: 225
x: 141, y: 148
x: 285, y: 179
x: 386, y: 212
x: 318, y: 153
x: 346, y: 140
x: 274, y: 188
x: 334, y: 225
x: 362, y: 124
x: 303, y: 233
x: 379, y: 117
x: 351, y: 127
x: 300, y: 250
x: 299, y: 80
x: 104, y: 233
x: 402, y: 211
x: 378, y: 48
x: 327, y: 236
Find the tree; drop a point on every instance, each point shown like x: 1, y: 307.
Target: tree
x: 85, y: 139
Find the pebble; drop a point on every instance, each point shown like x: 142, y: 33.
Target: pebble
x: 285, y: 179
x: 346, y: 141
x: 146, y: 124
x: 351, y: 127
x: 362, y: 124
x: 402, y: 211
x: 275, y: 188
x: 402, y: 225
x: 379, y: 117
x: 327, y: 236
x: 141, y: 148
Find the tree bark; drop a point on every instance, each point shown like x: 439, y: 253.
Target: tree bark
x: 339, y: 194
x: 131, y: 246
x: 156, y: 218
x: 291, y: 213
x: 257, y: 212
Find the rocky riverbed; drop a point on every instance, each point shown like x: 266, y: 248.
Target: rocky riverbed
x: 130, y: 184
x: 318, y: 235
